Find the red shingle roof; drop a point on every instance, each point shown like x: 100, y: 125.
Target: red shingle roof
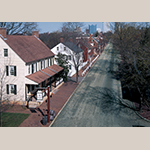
x: 44, y: 74
x: 29, y: 48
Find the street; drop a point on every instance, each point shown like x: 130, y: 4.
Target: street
x: 95, y: 103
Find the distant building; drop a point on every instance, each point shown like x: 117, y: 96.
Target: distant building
x: 69, y: 49
x: 92, y: 29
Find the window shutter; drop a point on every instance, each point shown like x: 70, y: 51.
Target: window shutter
x: 7, y: 88
x: 7, y: 72
x: 15, y: 89
x: 15, y: 71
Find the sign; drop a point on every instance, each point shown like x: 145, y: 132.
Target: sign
x: 39, y: 96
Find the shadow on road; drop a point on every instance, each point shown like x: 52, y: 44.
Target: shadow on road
x: 107, y: 100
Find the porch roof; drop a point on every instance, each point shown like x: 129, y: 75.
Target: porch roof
x: 44, y: 74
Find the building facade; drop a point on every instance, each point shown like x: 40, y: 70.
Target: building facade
x: 24, y: 63
x: 71, y: 50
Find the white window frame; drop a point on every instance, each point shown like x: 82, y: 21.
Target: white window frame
x: 11, y: 67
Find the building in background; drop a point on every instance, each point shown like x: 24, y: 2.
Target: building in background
x: 92, y: 29
x: 70, y: 49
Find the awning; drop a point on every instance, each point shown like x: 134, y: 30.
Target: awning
x: 44, y: 74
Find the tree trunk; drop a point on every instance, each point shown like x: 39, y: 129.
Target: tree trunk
x: 77, y: 75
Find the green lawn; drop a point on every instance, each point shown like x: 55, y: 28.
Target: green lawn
x: 12, y: 119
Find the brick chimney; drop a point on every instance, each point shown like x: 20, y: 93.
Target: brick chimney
x: 3, y: 32
x: 36, y: 33
x: 61, y: 40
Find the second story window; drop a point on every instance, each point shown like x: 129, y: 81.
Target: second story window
x: 58, y: 48
x: 42, y: 64
x: 32, y: 68
x: 64, y: 48
x: 47, y: 62
x: 69, y: 66
x: 50, y: 61
x: 11, y: 70
x: 5, y: 52
x: 69, y: 57
x: 29, y: 69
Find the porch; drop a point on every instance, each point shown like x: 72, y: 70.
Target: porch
x: 50, y: 76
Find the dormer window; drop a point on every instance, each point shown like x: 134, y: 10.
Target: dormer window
x: 64, y: 48
x: 5, y: 52
x: 58, y: 48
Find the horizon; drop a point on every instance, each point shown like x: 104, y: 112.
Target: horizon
x: 56, y: 26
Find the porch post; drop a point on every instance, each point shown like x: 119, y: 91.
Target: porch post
x: 50, y: 84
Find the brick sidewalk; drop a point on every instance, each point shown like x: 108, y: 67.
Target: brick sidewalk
x: 56, y: 103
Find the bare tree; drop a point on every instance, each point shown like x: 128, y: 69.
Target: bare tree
x: 76, y: 54
x: 71, y: 29
x: 51, y: 39
x: 19, y: 27
x: 132, y: 40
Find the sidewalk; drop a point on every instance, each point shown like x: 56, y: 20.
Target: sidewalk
x: 56, y: 103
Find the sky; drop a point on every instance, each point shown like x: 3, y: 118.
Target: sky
x: 54, y: 26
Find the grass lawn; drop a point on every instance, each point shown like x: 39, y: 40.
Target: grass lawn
x: 12, y: 119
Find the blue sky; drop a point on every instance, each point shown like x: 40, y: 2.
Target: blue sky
x: 54, y: 26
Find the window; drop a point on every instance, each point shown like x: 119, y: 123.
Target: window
x: 35, y: 66
x: 69, y: 66
x: 29, y: 69
x: 47, y: 62
x: 64, y: 48
x: 5, y: 52
x: 42, y: 64
x: 66, y: 57
x: 50, y: 61
x: 11, y: 89
x: 12, y: 70
x: 58, y: 48
x: 32, y: 68
x: 69, y: 57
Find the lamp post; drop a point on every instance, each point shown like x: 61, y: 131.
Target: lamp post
x: 48, y: 101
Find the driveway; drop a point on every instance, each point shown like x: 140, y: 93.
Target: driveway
x: 96, y: 103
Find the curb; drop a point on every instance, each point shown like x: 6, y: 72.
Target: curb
x: 140, y: 115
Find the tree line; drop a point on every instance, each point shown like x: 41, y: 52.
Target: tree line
x: 132, y: 41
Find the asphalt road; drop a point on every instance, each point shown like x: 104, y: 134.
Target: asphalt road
x: 96, y: 103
